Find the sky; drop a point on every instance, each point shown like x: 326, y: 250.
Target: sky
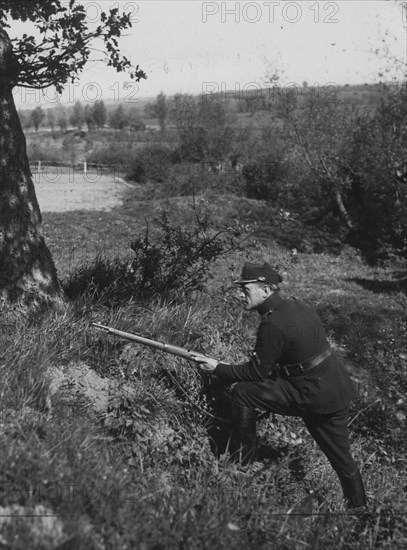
x: 194, y: 46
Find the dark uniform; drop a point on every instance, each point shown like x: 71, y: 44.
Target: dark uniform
x: 293, y: 371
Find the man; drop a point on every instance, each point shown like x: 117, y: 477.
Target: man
x: 292, y: 371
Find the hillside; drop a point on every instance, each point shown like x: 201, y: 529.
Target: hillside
x: 114, y: 444
x: 111, y: 445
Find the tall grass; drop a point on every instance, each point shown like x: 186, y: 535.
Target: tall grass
x: 152, y: 471
x: 144, y: 475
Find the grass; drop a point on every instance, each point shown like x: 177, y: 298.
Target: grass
x: 143, y: 474
x: 79, y: 236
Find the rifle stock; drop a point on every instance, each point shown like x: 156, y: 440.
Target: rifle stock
x: 168, y: 348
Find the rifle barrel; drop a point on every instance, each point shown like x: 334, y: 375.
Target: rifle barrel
x: 168, y: 348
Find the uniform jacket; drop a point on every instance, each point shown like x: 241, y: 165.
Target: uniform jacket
x: 291, y: 332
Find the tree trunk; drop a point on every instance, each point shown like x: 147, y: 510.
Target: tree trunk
x: 27, y: 272
x: 342, y: 209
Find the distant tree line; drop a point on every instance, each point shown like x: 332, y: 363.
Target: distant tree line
x: 93, y: 117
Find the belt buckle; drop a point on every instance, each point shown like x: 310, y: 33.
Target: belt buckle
x: 298, y: 369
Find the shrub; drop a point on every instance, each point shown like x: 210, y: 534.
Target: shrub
x: 263, y: 179
x: 178, y: 262
x: 45, y: 153
x: 188, y: 178
x: 114, y: 153
x: 170, y: 260
x: 184, y: 179
x: 152, y: 163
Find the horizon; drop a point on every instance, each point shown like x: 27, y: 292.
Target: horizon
x: 226, y: 94
x: 194, y: 46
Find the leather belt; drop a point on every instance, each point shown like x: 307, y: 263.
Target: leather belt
x: 300, y: 368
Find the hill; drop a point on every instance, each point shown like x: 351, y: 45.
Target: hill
x: 120, y: 445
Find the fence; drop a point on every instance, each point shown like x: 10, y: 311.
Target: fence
x: 51, y: 170
x: 39, y: 166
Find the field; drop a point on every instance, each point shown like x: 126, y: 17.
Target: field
x: 65, y: 191
x: 109, y: 445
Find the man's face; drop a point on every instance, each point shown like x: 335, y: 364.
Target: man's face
x: 252, y: 295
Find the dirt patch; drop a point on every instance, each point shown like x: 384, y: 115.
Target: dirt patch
x: 57, y: 192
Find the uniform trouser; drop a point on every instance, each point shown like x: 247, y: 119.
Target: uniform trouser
x: 330, y: 431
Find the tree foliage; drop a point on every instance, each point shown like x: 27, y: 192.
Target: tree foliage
x: 62, y: 118
x: 99, y: 113
x: 37, y: 117
x: 88, y: 116
x: 346, y: 170
x: 56, y: 55
x: 66, y: 42
x: 134, y: 120
x: 152, y: 163
x: 162, y: 110
x: 377, y: 172
x: 118, y: 119
x: 51, y: 118
x: 77, y: 117
x: 204, y: 127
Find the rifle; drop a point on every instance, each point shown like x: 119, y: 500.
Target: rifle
x: 168, y: 348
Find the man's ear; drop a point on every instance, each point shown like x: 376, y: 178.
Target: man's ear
x: 272, y: 287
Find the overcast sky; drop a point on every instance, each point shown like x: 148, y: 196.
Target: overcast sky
x: 194, y: 46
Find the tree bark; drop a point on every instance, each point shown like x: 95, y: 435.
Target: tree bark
x: 342, y: 209
x: 28, y: 276
x: 337, y: 194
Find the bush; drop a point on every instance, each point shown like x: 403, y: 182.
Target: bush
x: 152, y: 163
x: 378, y: 190
x: 114, y: 153
x: 170, y: 260
x: 187, y: 178
x: 45, y: 153
x: 263, y: 179
x: 184, y: 179
x: 178, y: 263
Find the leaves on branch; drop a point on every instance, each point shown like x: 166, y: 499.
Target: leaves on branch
x: 65, y: 44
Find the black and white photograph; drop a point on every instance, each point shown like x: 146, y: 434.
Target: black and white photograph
x: 203, y: 275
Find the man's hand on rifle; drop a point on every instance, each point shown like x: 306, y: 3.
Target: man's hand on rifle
x: 206, y: 364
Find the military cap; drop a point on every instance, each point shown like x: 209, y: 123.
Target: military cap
x: 262, y: 273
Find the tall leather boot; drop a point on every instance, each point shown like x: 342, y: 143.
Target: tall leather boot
x: 244, y: 433
x: 353, y: 490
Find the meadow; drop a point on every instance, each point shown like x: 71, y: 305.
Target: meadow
x: 146, y: 466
